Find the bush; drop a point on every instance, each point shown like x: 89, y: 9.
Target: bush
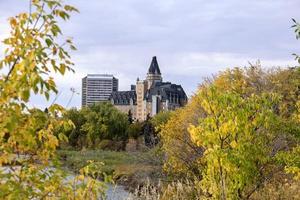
x: 101, y: 121
x: 135, y: 130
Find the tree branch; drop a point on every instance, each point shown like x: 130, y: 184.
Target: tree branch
x: 40, y: 15
x: 12, y: 68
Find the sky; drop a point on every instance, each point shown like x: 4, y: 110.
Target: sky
x: 192, y: 39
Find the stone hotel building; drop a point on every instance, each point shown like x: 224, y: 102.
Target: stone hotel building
x: 149, y: 96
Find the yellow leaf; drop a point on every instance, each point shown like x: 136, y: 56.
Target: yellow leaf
x: 81, y: 177
x: 13, y: 21
x: 233, y: 144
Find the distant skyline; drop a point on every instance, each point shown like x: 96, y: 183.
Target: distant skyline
x: 191, y: 39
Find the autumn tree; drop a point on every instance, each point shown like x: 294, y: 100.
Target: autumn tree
x: 182, y: 155
x: 234, y: 134
x: 29, y: 137
x: 248, y: 86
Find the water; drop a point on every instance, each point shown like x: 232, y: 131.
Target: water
x: 117, y: 193
x: 114, y: 192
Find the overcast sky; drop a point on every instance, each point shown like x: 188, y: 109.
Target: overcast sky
x: 192, y: 39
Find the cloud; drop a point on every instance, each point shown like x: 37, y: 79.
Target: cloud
x: 192, y: 39
x: 186, y: 69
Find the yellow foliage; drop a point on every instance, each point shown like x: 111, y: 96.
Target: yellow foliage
x: 181, y: 153
x: 29, y: 137
x: 235, y: 123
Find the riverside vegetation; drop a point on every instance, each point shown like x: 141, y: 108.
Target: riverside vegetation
x: 237, y: 138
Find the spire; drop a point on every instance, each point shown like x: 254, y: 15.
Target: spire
x: 154, y: 68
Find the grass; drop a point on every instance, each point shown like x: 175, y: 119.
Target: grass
x: 126, y: 168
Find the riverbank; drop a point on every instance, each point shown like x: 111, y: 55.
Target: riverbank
x: 130, y: 169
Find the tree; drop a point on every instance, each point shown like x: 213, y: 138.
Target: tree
x: 182, y: 155
x: 150, y: 137
x: 76, y: 136
x: 104, y: 121
x: 29, y: 137
x: 130, y: 117
x: 249, y: 86
x: 160, y: 119
x: 234, y: 134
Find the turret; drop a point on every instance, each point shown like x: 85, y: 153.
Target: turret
x: 153, y: 74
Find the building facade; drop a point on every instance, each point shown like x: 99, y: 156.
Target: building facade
x: 97, y: 88
x: 149, y: 96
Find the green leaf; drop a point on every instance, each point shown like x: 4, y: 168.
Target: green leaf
x: 35, y: 90
x: 47, y: 95
x: 6, y: 41
x: 51, y: 4
x: 70, y: 8
x: 64, y: 15
x: 48, y: 42
x: 63, y: 137
x: 55, y: 30
x: 62, y: 69
x: 61, y: 54
x: 73, y: 47
x: 25, y: 95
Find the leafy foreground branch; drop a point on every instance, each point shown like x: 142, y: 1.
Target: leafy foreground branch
x: 29, y: 137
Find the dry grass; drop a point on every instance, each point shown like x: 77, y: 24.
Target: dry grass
x: 176, y: 191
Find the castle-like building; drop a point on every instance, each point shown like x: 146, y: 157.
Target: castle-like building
x: 150, y: 96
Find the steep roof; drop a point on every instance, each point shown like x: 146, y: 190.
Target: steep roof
x: 123, y: 97
x: 166, y: 90
x: 154, y: 68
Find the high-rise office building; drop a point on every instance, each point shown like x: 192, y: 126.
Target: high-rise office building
x: 97, y: 88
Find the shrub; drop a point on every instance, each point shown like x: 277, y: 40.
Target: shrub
x: 135, y: 130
